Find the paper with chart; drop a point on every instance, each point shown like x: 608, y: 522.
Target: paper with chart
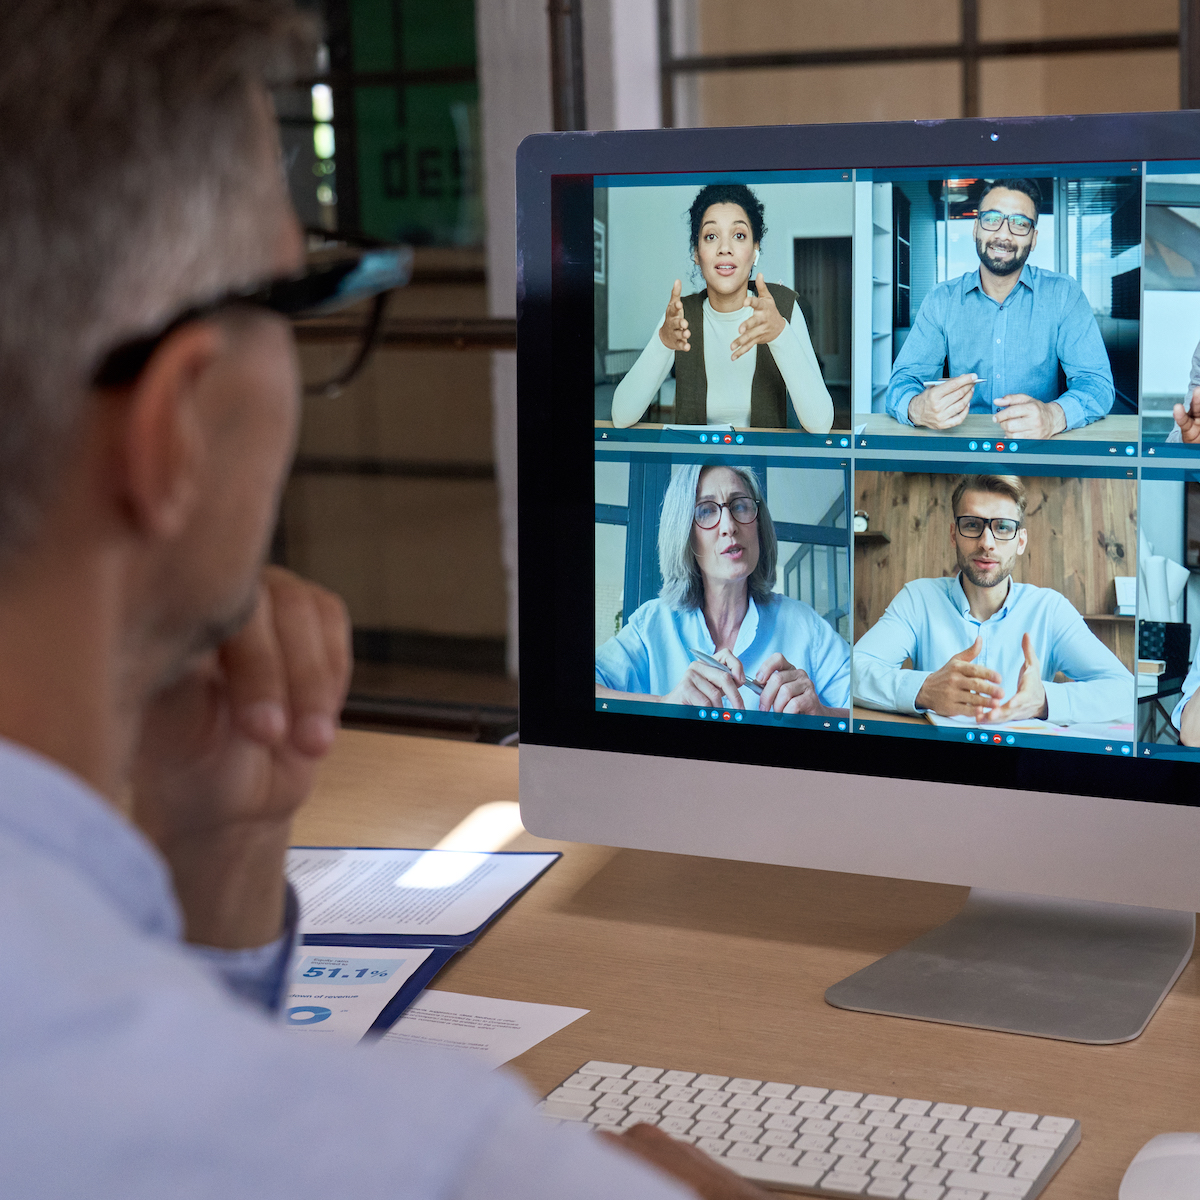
x: 405, y: 893
x: 487, y: 1031
x: 337, y: 993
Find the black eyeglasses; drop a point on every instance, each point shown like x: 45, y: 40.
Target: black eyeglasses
x: 743, y: 510
x: 1004, y: 529
x: 1019, y: 225
x: 364, y: 278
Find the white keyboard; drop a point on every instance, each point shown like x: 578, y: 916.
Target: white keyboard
x: 830, y: 1143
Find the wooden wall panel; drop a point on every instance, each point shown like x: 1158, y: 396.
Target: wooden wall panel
x: 1082, y: 535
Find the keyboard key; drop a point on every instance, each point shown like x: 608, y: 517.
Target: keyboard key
x: 744, y: 1152
x: 683, y: 1137
x: 995, y: 1166
x: 742, y: 1086
x: 778, y: 1105
x: 891, y: 1137
x: 848, y: 1129
x: 1036, y: 1137
x: 580, y: 1080
x: 1019, y: 1120
x: 815, y: 1158
x: 752, y: 1120
x: 925, y: 1141
x: 984, y: 1116
x: 709, y: 1129
x: 713, y: 1112
x: 810, y: 1108
x: 639, y: 1119
x: 955, y: 1128
x: 742, y: 1133
x: 919, y: 1124
x: 913, y: 1108
x: 779, y: 1121
x: 780, y: 1157
x: 880, y: 1103
x: 890, y: 1170
x: 677, y: 1078
x: 644, y: 1074
x: 614, y: 1100
x: 675, y: 1125
x: 960, y: 1145
x: 646, y: 1089
x: 564, y: 1111
x: 886, y: 1187
x: 929, y: 1176
x: 643, y: 1104
x: 681, y: 1108
x: 777, y: 1137
x: 959, y: 1162
x: 969, y: 1181
x: 604, y: 1117
x: 882, y: 1120
x: 990, y: 1133
x: 809, y: 1095
x: 1056, y: 1124
x: 849, y: 1185
x: 1028, y: 1170
x: 849, y: 1146
x: 837, y: 1098
x: 997, y: 1150
x: 846, y: 1112
x: 811, y: 1141
x: 923, y: 1191
x: 712, y: 1145
x: 820, y: 1128
x: 882, y: 1152
x: 964, y: 1194
x: 617, y: 1070
x: 710, y: 1081
x: 744, y: 1102
x: 1034, y: 1154
x: 616, y: 1086
x: 574, y: 1095
x: 948, y: 1112
x: 710, y: 1096
x: 921, y: 1158
x: 679, y: 1092
x: 778, y: 1091
x: 777, y: 1173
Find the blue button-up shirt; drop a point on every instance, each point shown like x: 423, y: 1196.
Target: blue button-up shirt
x: 930, y: 622
x: 1190, y: 684
x: 1015, y: 347
x: 130, y: 1069
x: 650, y: 655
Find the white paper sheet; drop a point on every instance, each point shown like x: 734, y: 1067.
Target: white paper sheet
x: 1120, y: 730
x: 337, y: 992
x: 491, y: 1032
x: 410, y: 893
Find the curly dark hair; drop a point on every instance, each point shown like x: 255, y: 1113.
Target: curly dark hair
x: 726, y: 193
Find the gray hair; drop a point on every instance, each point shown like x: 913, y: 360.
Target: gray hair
x: 134, y: 134
x: 683, y: 585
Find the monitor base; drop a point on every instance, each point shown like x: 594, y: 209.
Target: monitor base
x: 1073, y: 970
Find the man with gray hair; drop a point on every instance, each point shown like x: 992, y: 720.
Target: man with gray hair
x: 164, y: 702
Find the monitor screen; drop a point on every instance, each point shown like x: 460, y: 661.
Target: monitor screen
x: 890, y: 463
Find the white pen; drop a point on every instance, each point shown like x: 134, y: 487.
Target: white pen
x: 708, y: 660
x: 935, y: 382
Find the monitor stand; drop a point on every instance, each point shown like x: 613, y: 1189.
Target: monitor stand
x: 1074, y: 970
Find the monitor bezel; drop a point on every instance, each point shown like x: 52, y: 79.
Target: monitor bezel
x: 555, y: 497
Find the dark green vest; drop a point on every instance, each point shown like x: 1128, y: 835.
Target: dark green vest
x: 768, y: 392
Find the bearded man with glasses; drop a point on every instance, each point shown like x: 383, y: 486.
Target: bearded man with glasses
x: 1005, y: 329
x: 982, y: 645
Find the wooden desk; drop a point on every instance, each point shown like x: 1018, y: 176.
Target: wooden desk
x: 980, y: 425
x: 721, y: 966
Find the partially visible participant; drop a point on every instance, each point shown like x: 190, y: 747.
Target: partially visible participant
x: 1187, y: 414
x: 1186, y: 715
x: 722, y: 383
x: 982, y: 645
x: 1005, y: 329
x: 717, y: 554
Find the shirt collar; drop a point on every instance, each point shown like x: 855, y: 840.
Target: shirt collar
x: 57, y: 815
x: 973, y: 282
x: 745, y: 635
x: 959, y: 597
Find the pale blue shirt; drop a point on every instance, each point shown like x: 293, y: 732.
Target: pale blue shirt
x: 129, y: 1069
x: 930, y: 622
x: 1190, y: 684
x: 1015, y: 347
x: 650, y: 655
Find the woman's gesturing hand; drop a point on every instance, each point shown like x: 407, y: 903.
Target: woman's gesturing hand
x: 787, y: 689
x: 764, y: 325
x: 703, y: 685
x: 674, y: 333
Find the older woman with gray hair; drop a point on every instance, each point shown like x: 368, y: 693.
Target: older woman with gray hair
x: 717, y: 553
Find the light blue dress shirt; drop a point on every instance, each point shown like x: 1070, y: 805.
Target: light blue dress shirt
x: 930, y: 622
x: 650, y: 655
x: 129, y: 1070
x: 1190, y: 684
x: 1015, y: 347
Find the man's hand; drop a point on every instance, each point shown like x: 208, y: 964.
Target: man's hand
x: 708, y: 1179
x: 704, y: 685
x: 228, y: 754
x: 1023, y: 416
x: 943, y: 405
x: 764, y: 325
x: 787, y: 689
x: 962, y: 688
x: 674, y: 333
x: 1188, y: 419
x: 1029, y: 700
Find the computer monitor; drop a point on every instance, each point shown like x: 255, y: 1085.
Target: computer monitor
x: 852, y: 530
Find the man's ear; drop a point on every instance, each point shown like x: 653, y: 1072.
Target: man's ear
x: 1022, y: 539
x: 160, y: 440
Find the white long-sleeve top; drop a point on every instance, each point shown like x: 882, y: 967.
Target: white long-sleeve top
x: 729, y: 381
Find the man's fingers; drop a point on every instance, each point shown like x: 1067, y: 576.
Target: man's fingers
x: 258, y: 694
x: 972, y: 651
x: 1031, y: 659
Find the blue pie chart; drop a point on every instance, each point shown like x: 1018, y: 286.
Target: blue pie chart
x: 307, y: 1014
